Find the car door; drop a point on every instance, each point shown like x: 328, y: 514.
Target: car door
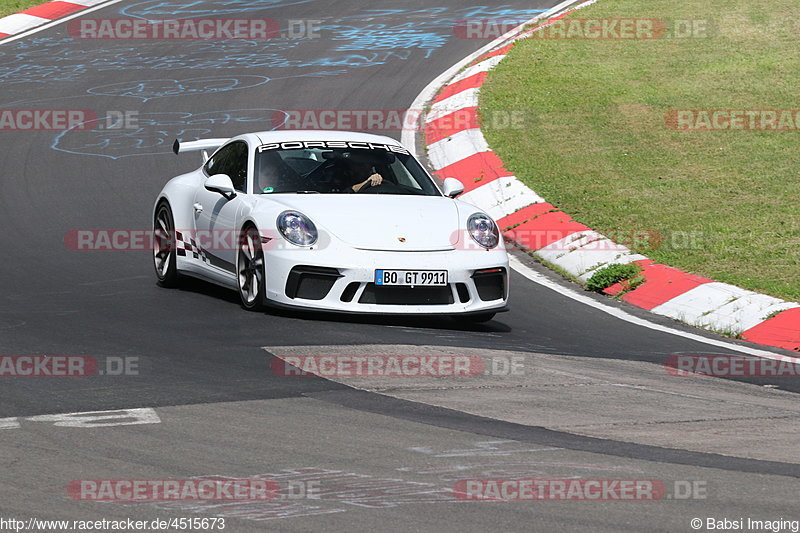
x: 214, y: 215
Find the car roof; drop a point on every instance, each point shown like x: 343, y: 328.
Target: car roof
x: 321, y: 135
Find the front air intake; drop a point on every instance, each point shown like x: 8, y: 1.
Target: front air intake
x: 311, y: 282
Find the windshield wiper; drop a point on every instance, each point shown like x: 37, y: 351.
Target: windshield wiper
x: 307, y: 192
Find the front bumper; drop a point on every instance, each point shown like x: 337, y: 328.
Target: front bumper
x: 342, y: 281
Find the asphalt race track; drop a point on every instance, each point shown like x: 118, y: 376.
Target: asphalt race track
x: 595, y: 401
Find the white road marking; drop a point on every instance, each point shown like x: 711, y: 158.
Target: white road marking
x: 489, y: 448
x: 90, y: 419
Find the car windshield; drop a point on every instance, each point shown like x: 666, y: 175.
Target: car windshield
x: 314, y: 167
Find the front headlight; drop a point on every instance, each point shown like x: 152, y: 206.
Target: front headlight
x: 297, y: 228
x: 483, y: 230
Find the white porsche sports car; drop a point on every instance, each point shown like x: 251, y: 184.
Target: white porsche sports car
x: 331, y: 221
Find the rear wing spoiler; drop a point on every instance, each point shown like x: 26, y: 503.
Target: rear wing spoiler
x: 204, y: 145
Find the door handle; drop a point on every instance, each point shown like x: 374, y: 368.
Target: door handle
x: 198, y: 208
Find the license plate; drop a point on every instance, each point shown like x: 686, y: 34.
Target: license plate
x: 411, y: 277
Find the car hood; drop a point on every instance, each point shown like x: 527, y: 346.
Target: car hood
x: 382, y: 222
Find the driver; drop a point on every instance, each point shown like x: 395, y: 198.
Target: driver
x: 361, y: 171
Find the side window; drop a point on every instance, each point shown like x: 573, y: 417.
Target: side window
x: 231, y: 160
x: 216, y: 165
x: 237, y: 165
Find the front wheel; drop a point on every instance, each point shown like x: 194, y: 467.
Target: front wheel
x: 250, y: 270
x: 164, y: 255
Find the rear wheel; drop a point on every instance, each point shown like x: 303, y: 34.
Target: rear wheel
x: 250, y: 270
x: 164, y: 255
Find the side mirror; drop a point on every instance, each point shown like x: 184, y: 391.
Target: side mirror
x: 452, y: 187
x: 222, y: 184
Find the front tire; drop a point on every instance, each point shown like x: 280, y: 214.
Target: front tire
x: 250, y: 272
x: 164, y: 254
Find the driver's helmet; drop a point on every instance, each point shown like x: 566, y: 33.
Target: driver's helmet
x: 360, y: 164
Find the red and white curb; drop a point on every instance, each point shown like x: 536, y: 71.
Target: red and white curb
x: 457, y: 148
x: 42, y: 14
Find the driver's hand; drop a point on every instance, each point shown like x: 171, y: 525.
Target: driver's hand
x: 375, y: 179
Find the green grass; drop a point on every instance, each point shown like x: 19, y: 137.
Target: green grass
x: 9, y: 7
x: 608, y: 275
x: 596, y: 145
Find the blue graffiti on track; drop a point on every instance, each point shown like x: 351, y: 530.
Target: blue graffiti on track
x: 149, y: 89
x: 353, y: 41
x: 373, y: 37
x: 52, y: 63
x: 405, y: 36
x: 424, y: 29
x: 155, y: 132
x: 161, y: 10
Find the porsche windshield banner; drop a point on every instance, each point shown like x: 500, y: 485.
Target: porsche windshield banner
x: 360, y: 145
